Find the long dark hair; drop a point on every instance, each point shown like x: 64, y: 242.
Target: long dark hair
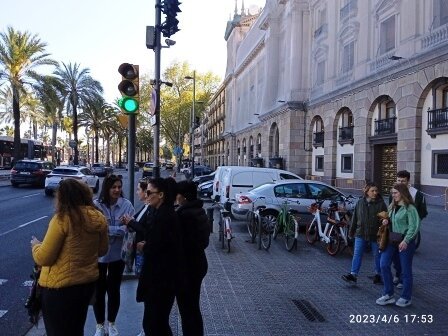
x: 70, y: 197
x: 107, y: 185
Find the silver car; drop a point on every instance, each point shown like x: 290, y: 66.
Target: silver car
x: 300, y: 194
x: 80, y: 173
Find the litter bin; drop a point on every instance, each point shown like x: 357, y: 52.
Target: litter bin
x: 210, y: 212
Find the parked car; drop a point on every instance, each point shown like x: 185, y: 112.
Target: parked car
x: 30, y: 172
x: 300, y: 193
x: 169, y: 165
x: 200, y: 170
x: 77, y: 172
x: 205, y: 190
x: 236, y: 179
x: 203, y: 178
x: 148, y: 169
x: 101, y: 169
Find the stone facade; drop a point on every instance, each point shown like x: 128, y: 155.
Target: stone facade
x: 342, y: 91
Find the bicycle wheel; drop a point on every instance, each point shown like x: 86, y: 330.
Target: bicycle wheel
x: 335, y: 240
x: 270, y: 223
x: 222, y: 232
x: 312, y: 231
x: 228, y: 235
x: 290, y: 233
x: 251, y: 224
x: 266, y: 235
x: 418, y: 240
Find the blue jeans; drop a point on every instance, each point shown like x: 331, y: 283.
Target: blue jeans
x: 406, y: 257
x: 360, y: 246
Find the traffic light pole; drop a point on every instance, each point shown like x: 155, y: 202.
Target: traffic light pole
x: 131, y: 156
x: 157, y: 52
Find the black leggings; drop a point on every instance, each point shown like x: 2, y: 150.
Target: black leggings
x: 157, y: 311
x: 109, y: 282
x: 65, y: 309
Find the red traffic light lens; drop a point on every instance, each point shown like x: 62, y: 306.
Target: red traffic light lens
x: 128, y: 71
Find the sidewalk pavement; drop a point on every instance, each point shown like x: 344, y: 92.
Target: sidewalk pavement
x: 249, y: 292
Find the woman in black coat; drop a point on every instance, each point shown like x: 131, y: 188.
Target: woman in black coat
x: 163, y: 270
x: 195, y: 232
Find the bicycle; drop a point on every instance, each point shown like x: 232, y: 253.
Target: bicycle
x: 225, y: 228
x: 314, y: 228
x: 288, y: 223
x: 252, y: 220
x: 339, y: 218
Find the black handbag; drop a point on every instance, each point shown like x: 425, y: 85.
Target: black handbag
x: 33, y: 303
x: 395, y: 238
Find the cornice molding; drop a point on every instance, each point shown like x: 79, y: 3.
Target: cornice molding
x: 254, y: 52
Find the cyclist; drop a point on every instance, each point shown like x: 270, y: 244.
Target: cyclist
x: 364, y: 228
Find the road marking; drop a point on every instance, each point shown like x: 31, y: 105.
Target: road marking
x: 27, y: 283
x: 32, y: 195
x: 2, y: 281
x: 3, y: 312
x: 22, y: 225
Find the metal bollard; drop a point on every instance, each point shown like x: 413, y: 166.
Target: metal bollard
x: 210, y: 212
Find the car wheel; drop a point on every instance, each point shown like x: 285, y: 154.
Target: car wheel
x: 48, y: 192
x: 97, y: 187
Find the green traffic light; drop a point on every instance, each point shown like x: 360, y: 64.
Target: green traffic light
x: 128, y: 104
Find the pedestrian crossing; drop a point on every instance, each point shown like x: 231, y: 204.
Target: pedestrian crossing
x: 27, y: 283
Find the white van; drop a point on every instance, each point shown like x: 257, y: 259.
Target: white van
x: 236, y: 179
x: 217, y: 181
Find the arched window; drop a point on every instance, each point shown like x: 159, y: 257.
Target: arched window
x: 274, y: 141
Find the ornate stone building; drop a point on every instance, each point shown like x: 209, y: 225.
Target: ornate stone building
x: 345, y: 91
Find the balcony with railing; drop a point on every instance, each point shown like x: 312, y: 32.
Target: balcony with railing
x: 321, y: 31
x: 346, y: 135
x: 385, y: 126
x: 348, y: 10
x: 437, y: 122
x: 318, y: 140
x: 435, y: 37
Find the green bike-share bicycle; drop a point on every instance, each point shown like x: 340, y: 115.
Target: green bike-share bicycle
x: 288, y: 224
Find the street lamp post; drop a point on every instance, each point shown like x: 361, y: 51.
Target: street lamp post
x: 192, y: 119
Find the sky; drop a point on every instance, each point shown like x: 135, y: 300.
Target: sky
x: 102, y: 34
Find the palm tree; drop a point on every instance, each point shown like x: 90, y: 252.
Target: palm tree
x: 20, y: 54
x: 79, y: 88
x: 49, y: 91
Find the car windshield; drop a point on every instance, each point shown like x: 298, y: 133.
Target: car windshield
x: 322, y: 191
x: 27, y: 165
x: 64, y: 171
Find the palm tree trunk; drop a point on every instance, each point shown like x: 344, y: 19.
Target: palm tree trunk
x: 75, y: 133
x: 96, y: 146
x: 53, y: 141
x: 16, y: 113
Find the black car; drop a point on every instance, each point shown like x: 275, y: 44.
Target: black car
x: 100, y: 169
x: 203, y: 178
x: 201, y: 170
x: 30, y: 172
x: 205, y: 190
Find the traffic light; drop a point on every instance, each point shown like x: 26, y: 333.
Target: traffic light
x: 170, y: 8
x: 129, y: 88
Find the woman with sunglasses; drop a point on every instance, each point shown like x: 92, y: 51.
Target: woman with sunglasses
x: 162, y: 270
x: 114, y: 206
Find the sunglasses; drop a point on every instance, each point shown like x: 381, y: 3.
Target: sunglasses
x: 149, y: 192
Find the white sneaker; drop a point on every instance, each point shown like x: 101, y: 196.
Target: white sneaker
x: 100, y: 330
x: 113, y: 329
x: 400, y: 285
x: 403, y: 302
x: 142, y: 333
x: 385, y: 300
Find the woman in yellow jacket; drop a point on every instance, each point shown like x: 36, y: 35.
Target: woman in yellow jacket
x: 76, y: 237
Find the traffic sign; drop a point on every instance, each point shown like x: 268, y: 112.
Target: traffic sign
x: 152, y: 102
